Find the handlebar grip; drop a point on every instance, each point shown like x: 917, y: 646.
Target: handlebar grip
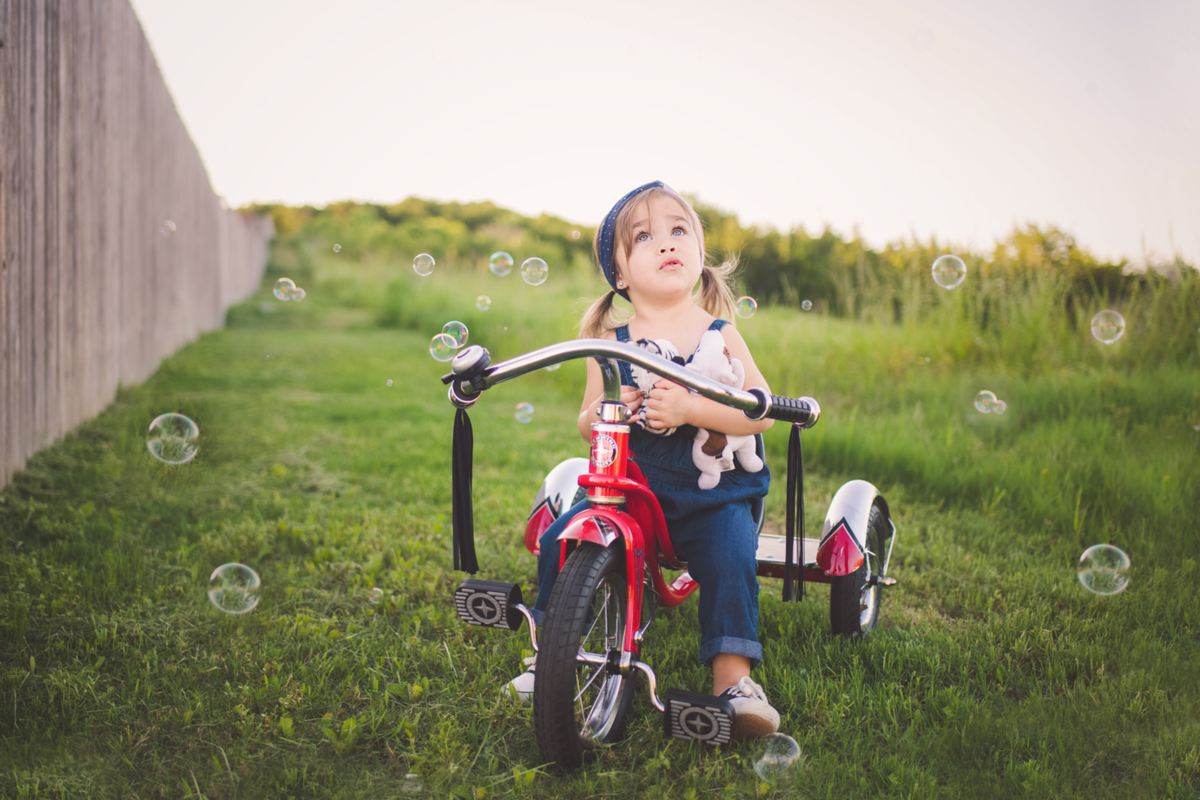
x: 794, y: 409
x: 802, y: 411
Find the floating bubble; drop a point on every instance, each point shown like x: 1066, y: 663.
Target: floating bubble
x: 949, y: 271
x: 442, y: 347
x: 298, y: 295
x: 575, y: 234
x: 1104, y: 569
x: 779, y: 761
x: 985, y: 402
x: 376, y: 596
x: 483, y: 302
x: 806, y: 305
x: 233, y: 588
x: 500, y: 264
x: 167, y: 229
x: 389, y: 383
x: 284, y: 287
x: 457, y: 331
x: 412, y: 784
x: 534, y: 271
x: 1108, y: 326
x: 173, y: 438
x: 927, y: 359
x: 423, y: 264
x: 524, y: 413
x: 553, y: 367
x: 337, y: 248
x: 745, y: 307
x: 999, y: 407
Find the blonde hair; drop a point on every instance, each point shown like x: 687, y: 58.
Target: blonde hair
x: 716, y: 282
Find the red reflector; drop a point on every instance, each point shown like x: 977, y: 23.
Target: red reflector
x: 839, y: 554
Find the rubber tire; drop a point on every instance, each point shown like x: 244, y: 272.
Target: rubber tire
x: 845, y: 591
x: 554, y: 690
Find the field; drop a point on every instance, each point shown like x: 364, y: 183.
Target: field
x: 993, y: 673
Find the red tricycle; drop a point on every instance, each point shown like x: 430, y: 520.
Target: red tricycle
x: 613, y: 555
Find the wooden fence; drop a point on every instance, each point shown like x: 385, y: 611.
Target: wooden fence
x: 96, y: 286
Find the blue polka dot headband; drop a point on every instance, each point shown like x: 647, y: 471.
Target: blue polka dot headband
x: 604, y: 245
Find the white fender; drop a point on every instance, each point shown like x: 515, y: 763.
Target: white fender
x: 844, y: 534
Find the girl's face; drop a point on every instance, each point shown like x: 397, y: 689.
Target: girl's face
x: 664, y: 260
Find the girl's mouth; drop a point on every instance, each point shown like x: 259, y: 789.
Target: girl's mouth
x: 671, y: 263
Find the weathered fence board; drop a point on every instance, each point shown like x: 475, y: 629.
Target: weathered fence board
x: 94, y: 159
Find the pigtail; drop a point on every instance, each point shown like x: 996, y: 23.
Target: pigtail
x: 716, y: 289
x: 599, y: 318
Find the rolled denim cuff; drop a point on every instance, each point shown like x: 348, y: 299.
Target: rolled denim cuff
x: 538, y: 615
x: 734, y: 646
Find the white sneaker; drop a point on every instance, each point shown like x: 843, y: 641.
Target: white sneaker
x: 521, y: 687
x: 753, y: 716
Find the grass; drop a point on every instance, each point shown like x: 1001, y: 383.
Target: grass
x: 992, y: 674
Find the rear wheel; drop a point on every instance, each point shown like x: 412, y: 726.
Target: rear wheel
x: 579, y: 706
x: 853, y: 602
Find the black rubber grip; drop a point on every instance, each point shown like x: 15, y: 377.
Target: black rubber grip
x: 789, y: 409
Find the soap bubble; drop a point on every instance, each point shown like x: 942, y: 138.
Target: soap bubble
x: 779, y: 761
x: 1104, y: 569
x: 284, y: 288
x: 167, y: 229
x: 298, y: 295
x: 172, y: 439
x: 337, y: 248
x: 534, y: 271
x: 442, y: 347
x: 423, y: 264
x: 376, y: 596
x: 575, y: 234
x: 389, y: 383
x: 457, y: 331
x: 483, y: 302
x: 949, y: 271
x: 412, y: 784
x: 233, y: 588
x: 746, y: 306
x: 999, y: 407
x: 1108, y: 326
x: 524, y: 413
x: 985, y: 401
x: 500, y: 264
x: 553, y: 367
x: 806, y: 305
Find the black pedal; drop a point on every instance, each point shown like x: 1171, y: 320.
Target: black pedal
x: 491, y: 604
x: 703, y: 717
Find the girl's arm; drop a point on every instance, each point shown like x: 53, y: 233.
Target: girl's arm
x: 671, y: 405
x: 593, y: 395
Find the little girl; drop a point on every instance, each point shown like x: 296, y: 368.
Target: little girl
x: 651, y: 249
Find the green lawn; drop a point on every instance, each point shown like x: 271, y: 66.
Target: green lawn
x: 992, y: 674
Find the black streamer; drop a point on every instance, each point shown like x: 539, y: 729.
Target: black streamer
x: 795, y: 515
x: 463, y: 519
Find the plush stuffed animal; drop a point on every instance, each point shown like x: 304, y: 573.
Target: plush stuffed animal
x: 645, y: 380
x: 713, y: 452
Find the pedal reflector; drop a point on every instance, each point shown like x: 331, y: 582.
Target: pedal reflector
x: 691, y: 715
x: 489, y: 603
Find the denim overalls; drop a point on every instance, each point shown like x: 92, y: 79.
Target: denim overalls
x: 713, y: 530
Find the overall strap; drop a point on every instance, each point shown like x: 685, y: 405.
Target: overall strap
x: 623, y: 366
x: 717, y: 324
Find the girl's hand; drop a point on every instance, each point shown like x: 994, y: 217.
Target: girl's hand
x: 631, y: 397
x: 668, y: 405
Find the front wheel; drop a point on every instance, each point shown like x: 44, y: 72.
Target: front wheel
x: 578, y: 706
x: 853, y: 601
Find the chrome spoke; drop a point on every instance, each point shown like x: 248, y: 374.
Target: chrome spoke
x: 595, y: 674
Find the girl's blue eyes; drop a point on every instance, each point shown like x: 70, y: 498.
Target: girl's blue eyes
x: 645, y: 237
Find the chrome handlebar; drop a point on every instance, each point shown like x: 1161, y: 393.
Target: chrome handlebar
x: 471, y: 373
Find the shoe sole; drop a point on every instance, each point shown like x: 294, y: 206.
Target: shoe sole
x: 750, y: 726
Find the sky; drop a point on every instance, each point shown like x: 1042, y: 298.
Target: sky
x: 924, y: 118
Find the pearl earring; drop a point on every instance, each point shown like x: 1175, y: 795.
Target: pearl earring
x: 620, y: 284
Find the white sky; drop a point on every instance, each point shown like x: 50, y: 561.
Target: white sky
x: 926, y: 117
